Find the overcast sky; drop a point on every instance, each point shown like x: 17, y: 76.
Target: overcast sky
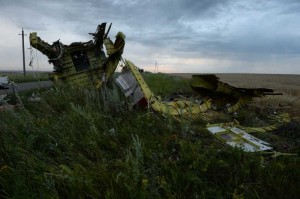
x: 196, y: 36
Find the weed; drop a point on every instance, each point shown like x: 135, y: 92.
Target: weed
x: 87, y: 143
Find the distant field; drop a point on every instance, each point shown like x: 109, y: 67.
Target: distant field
x: 18, y: 77
x: 287, y: 84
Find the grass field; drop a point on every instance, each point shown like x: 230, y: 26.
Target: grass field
x: 18, y: 77
x: 86, y: 143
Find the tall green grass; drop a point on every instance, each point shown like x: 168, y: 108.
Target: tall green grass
x: 86, y: 143
x: 167, y: 85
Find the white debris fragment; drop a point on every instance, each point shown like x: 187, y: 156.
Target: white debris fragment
x: 236, y: 137
x: 4, y: 82
x: 34, y: 98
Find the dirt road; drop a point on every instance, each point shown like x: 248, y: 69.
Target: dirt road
x: 27, y: 86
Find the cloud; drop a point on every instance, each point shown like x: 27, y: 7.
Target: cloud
x: 240, y: 35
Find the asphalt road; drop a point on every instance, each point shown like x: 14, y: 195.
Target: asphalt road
x: 27, y: 86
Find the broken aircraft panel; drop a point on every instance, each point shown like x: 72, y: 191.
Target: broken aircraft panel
x: 237, y: 137
x: 225, y: 96
x: 83, y: 63
x: 176, y: 107
x: 233, y: 134
x: 130, y: 86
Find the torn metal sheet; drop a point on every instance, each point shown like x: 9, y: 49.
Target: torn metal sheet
x: 83, y: 63
x: 176, y: 107
x: 86, y: 63
x: 237, y: 137
x: 225, y: 96
x: 130, y: 86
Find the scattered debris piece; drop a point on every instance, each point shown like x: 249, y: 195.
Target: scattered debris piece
x: 130, y: 86
x: 4, y: 82
x: 176, y: 107
x: 236, y: 137
x: 85, y: 64
x: 34, y: 98
x: 224, y: 95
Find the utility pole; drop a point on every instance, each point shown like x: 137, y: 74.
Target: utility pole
x: 24, y: 70
x: 156, y: 68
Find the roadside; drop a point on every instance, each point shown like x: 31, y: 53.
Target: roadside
x: 27, y: 86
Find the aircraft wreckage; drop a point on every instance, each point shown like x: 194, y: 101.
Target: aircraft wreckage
x: 87, y: 64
